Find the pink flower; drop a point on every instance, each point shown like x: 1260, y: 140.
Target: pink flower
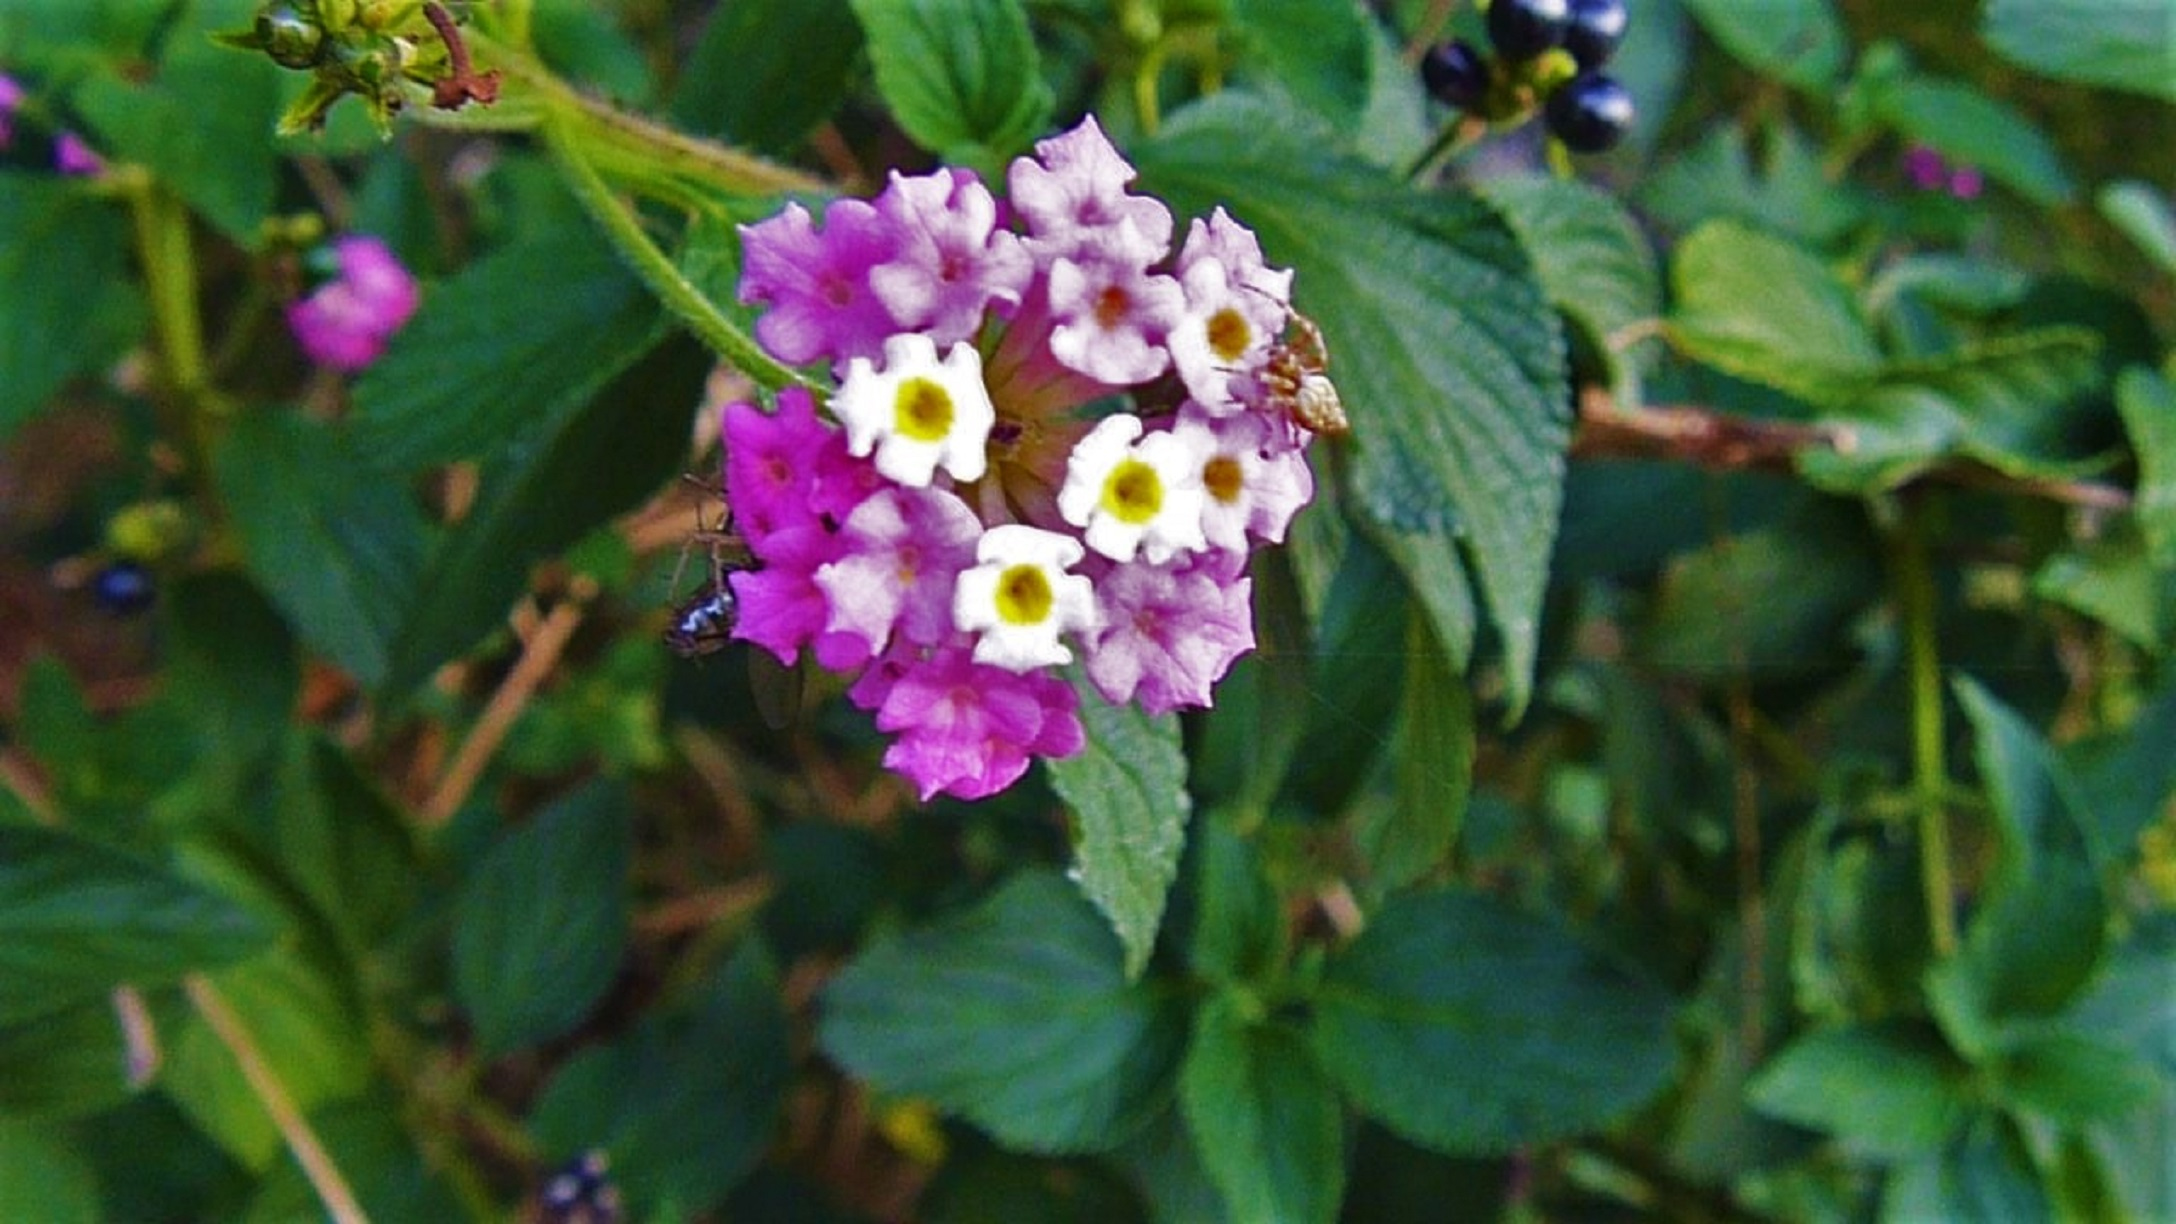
x: 968, y: 729
x: 771, y: 461
x: 1254, y: 485
x: 11, y: 100
x: 1112, y: 319
x: 817, y: 284
x: 346, y: 324
x: 73, y: 157
x: 1170, y: 632
x: 1073, y: 196
x: 952, y: 262
x: 899, y: 554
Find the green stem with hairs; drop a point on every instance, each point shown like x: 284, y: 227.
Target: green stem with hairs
x: 657, y: 270
x: 1930, y: 768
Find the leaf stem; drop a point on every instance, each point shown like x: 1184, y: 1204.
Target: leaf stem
x: 1930, y: 770
x: 657, y: 270
x: 1455, y: 138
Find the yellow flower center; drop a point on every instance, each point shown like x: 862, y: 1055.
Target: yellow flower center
x: 1224, y: 479
x: 1134, y: 492
x: 922, y: 410
x: 1229, y: 334
x: 1023, y: 595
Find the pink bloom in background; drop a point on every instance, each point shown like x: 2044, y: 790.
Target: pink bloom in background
x: 11, y: 100
x: 345, y: 324
x: 1930, y: 171
x: 72, y: 156
x: 1009, y: 479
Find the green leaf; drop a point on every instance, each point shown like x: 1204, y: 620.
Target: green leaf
x: 1788, y: 194
x: 2126, y: 775
x: 549, y: 486
x: 44, y: 1177
x: 1434, y: 753
x: 1315, y: 51
x: 233, y: 661
x: 526, y: 333
x: 2038, y: 939
x: 1248, y: 738
x: 2022, y: 404
x: 1984, y: 1176
x: 368, y: 1140
x: 77, y: 919
x: 2128, y: 46
x: 766, y: 72
x: 336, y: 546
x: 1127, y: 789
x: 1965, y: 125
x: 542, y: 922
x: 1266, y: 1122
x: 1764, y: 309
x: 583, y: 42
x: 1889, y: 1089
x: 1017, y: 1014
x: 1592, y: 259
x: 1710, y: 619
x: 203, y: 122
x: 2072, y: 1080
x: 339, y: 842
x: 2115, y: 580
x: 2144, y: 216
x: 1239, y: 931
x: 64, y: 1064
x: 1798, y: 41
x: 962, y: 77
x: 1466, y: 436
x: 685, y: 1103
x: 1355, y: 678
x: 1470, y: 1027
x: 67, y: 303
x: 2148, y: 404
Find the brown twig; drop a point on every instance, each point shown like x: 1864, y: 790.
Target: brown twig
x: 325, y: 1177
x: 540, y: 651
x: 464, y: 84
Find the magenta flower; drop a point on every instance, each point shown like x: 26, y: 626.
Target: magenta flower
x: 1928, y: 170
x: 346, y: 324
x: 1010, y: 481
x: 11, y: 100
x: 71, y: 156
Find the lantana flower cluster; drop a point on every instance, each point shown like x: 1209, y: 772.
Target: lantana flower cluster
x: 1051, y: 440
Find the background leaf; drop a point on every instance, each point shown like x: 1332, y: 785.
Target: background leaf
x: 1592, y: 260
x: 767, y: 71
x: 1316, y: 52
x: 2148, y: 404
x: 1016, y: 1014
x: 1265, y: 1120
x: 961, y: 76
x: 1466, y: 437
x: 543, y: 919
x: 2123, y: 46
x: 1127, y: 790
x: 1764, y: 309
x: 1890, y: 1089
x: 1471, y: 1028
x: 1799, y: 41
x: 67, y: 306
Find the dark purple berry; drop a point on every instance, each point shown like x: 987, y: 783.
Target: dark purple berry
x: 1455, y: 73
x: 123, y: 588
x: 1523, y: 29
x: 1596, y: 31
x: 1589, y: 113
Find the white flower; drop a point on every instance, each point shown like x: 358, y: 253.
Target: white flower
x: 1136, y: 494
x: 918, y: 413
x: 1019, y: 598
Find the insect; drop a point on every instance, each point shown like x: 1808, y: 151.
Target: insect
x: 1296, y: 374
x: 702, y: 625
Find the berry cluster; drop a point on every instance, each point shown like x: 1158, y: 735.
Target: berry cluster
x: 1051, y: 433
x: 1555, y: 48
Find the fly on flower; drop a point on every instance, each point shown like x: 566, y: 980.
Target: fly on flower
x: 702, y: 624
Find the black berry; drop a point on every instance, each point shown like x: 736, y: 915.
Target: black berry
x: 123, y: 588
x: 1455, y: 73
x: 1597, y: 29
x: 1589, y: 113
x: 1523, y: 29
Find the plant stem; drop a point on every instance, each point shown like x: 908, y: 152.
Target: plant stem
x: 1930, y: 770
x: 1455, y: 138
x: 657, y: 270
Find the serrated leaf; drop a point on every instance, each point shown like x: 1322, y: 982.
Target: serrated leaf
x: 549, y: 487
x: 2126, y: 46
x: 525, y: 333
x: 962, y: 77
x: 1316, y: 51
x: 1264, y: 1119
x: 67, y: 304
x: 684, y: 1104
x: 1798, y: 41
x: 542, y: 922
x: 1967, y: 126
x: 337, y: 547
x: 1127, y: 790
x: 1591, y: 258
x: 1434, y: 753
x: 1764, y: 309
x: 1017, y: 1014
x: 1355, y: 677
x: 1889, y: 1089
x: 766, y: 72
x: 203, y: 121
x: 1449, y: 360
x: 77, y: 919
x: 1239, y: 932
x: 2148, y: 404
x: 1471, y: 1028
